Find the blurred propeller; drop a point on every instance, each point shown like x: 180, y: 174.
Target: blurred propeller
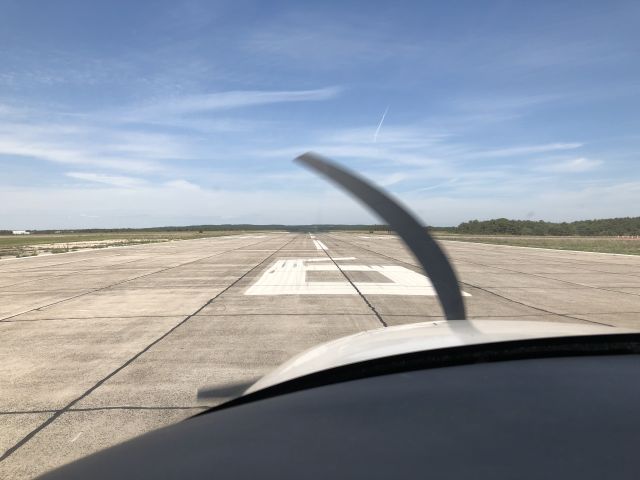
x: 417, y: 238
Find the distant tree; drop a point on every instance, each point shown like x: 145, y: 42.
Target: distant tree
x: 503, y: 226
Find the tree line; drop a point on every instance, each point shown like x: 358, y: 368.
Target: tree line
x: 498, y: 226
x: 503, y: 226
x: 216, y: 228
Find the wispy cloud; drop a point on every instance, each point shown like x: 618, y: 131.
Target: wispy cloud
x: 575, y: 165
x: 182, y: 185
x: 187, y: 104
x: 437, y: 185
x: 416, y: 148
x: 392, y: 179
x: 113, y: 180
x: 319, y: 42
x: 153, y: 206
x: 406, y: 136
x: 526, y: 150
x: 108, y: 139
x: 60, y: 151
x: 503, y: 103
x: 490, y: 115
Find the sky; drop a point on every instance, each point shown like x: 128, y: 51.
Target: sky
x: 152, y: 113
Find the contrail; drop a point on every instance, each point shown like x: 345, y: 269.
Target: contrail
x: 375, y: 135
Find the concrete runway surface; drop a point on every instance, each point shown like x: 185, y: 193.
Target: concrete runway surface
x: 99, y: 346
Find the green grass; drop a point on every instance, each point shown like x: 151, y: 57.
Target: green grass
x: 30, y: 245
x: 584, y: 244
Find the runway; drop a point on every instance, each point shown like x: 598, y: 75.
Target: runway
x: 99, y: 346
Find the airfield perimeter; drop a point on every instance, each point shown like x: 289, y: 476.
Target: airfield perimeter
x: 99, y: 346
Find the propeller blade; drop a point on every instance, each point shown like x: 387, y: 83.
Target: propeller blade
x: 417, y: 238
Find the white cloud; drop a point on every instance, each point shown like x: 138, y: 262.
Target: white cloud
x: 232, y: 99
x: 182, y: 184
x: 113, y: 180
x: 525, y: 150
x: 157, y: 205
x: 406, y: 136
x: 322, y: 42
x: 108, y: 140
x: 413, y: 145
x: 161, y: 205
x: 392, y: 179
x: 575, y: 165
x: 503, y: 103
x: 415, y: 161
x: 73, y: 149
x: 562, y: 203
x: 437, y: 185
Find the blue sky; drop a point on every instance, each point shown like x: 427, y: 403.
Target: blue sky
x: 117, y: 114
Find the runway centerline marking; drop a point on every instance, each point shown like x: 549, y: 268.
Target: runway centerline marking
x: 319, y: 245
x: 289, y: 277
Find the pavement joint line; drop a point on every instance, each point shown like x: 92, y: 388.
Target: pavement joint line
x: 114, y: 407
x: 373, y: 309
x: 85, y: 250
x: 57, y: 255
x: 579, y: 264
x: 139, y: 407
x: 28, y: 412
x: 200, y: 315
x: 399, y: 251
x: 540, y: 275
x: 100, y: 382
x: 541, y: 314
x: 486, y: 291
x: 537, y: 254
x: 191, y: 287
x: 37, y: 279
x: 543, y: 248
x: 123, y: 317
x: 36, y: 267
x: 128, y: 280
x: 564, y: 261
x: 501, y: 296
x: 630, y: 274
x: 97, y: 251
x: 140, y: 287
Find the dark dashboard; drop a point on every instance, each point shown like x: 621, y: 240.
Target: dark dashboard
x: 557, y: 416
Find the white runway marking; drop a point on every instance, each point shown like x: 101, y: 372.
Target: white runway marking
x: 289, y: 277
x: 326, y: 259
x: 319, y: 245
